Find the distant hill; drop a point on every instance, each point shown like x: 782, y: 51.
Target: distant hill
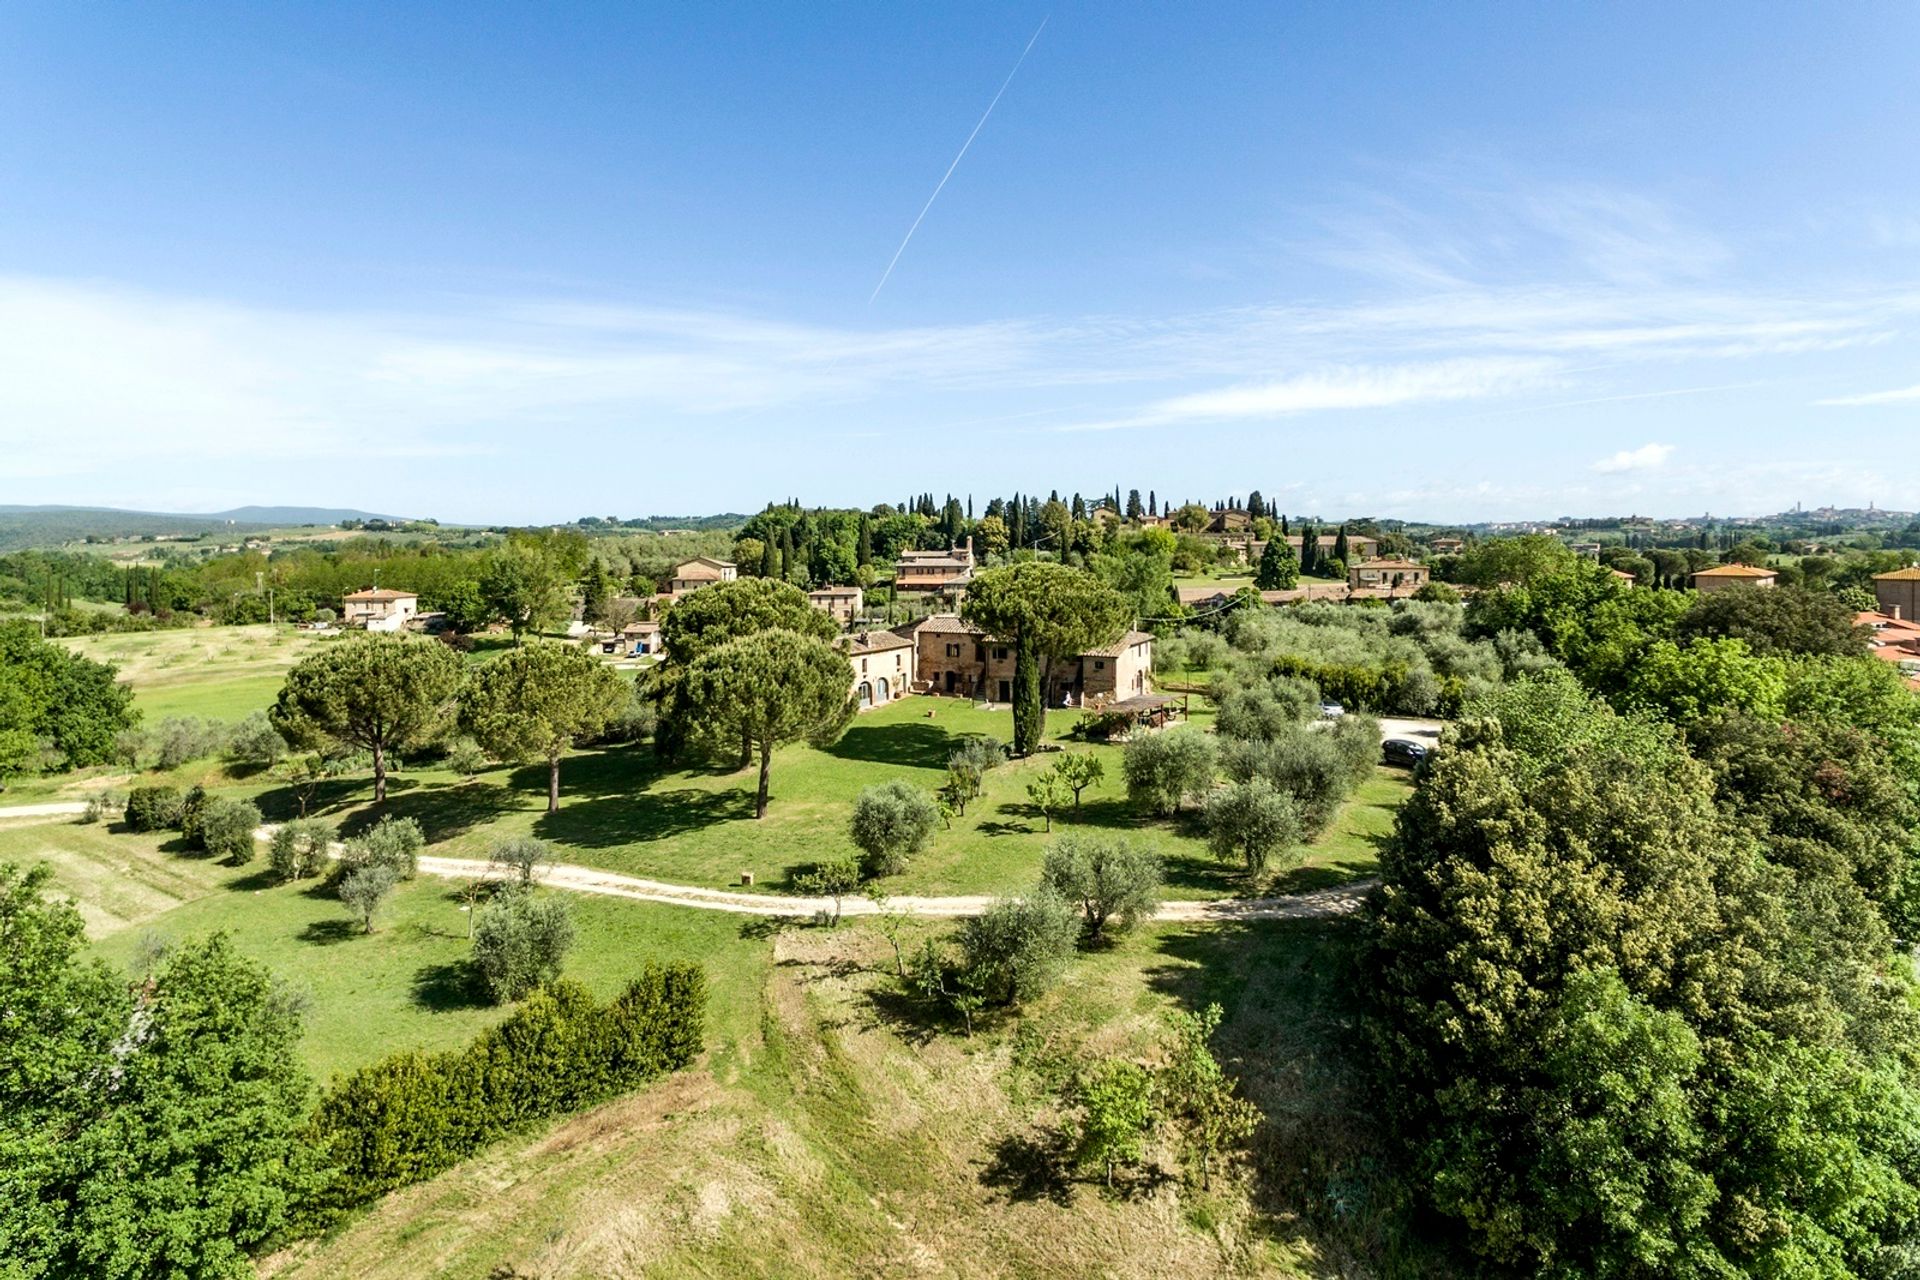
x: 22, y: 527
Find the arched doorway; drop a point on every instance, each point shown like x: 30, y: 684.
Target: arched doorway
x: 882, y: 689
x: 866, y: 694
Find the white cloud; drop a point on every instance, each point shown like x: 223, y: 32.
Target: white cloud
x: 1342, y: 388
x: 1901, y: 395
x: 1648, y: 457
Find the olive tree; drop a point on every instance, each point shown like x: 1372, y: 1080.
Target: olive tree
x: 1016, y: 948
x: 1115, y: 881
x: 1164, y: 769
x: 375, y: 693
x: 299, y: 848
x: 1043, y: 610
x: 363, y: 891
x: 520, y: 941
x: 890, y: 822
x: 771, y: 688
x: 1249, y: 822
x: 536, y: 702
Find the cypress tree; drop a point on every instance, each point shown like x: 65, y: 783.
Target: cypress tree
x: 770, y: 558
x: 863, y: 545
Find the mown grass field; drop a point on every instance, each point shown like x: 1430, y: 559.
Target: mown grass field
x: 401, y: 987
x: 216, y: 673
x: 622, y: 809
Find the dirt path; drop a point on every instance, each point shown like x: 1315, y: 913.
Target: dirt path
x: 1320, y: 902
x: 57, y: 809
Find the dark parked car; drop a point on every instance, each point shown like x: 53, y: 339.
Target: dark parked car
x: 1404, y: 751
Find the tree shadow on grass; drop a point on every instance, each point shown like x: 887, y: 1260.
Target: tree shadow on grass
x: 442, y: 812
x: 282, y: 804
x: 1292, y: 1032
x: 626, y: 818
x: 1307, y: 879
x: 327, y: 933
x: 1030, y: 1167
x: 917, y: 744
x: 256, y: 881
x: 448, y: 987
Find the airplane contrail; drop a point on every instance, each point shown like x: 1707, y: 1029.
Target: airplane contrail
x: 956, y: 160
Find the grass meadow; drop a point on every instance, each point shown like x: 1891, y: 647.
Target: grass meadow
x: 831, y: 1129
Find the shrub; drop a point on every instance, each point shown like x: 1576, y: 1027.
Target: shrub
x: 104, y: 804
x: 465, y: 757
x: 192, y: 805
x: 413, y: 1115
x: 519, y: 942
x: 153, y: 808
x: 255, y: 741
x: 1016, y: 948
x: 391, y: 842
x: 363, y: 889
x: 1265, y: 709
x: 891, y: 822
x: 1249, y: 822
x: 1115, y: 881
x: 226, y: 829
x: 1317, y: 767
x: 299, y: 848
x: 523, y: 856
x: 1164, y: 769
x: 179, y: 739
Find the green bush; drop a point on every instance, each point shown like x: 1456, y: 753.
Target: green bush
x: 414, y: 1114
x: 519, y: 942
x: 299, y: 848
x: 1164, y: 769
x: 227, y: 827
x: 1016, y: 948
x: 391, y: 842
x: 1115, y: 881
x: 192, y: 806
x: 255, y: 741
x: 891, y: 822
x: 153, y: 808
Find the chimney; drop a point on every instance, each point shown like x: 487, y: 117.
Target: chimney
x: 1894, y: 613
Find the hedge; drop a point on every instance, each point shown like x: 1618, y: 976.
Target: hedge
x: 153, y: 808
x: 413, y: 1115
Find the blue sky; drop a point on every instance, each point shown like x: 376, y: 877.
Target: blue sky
x: 515, y: 262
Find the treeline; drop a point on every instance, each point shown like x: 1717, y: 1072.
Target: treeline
x: 1639, y: 992
x: 161, y: 1123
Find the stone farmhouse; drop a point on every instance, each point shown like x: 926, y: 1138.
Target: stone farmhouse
x: 701, y: 571
x: 1899, y: 593
x: 955, y: 657
x: 842, y: 604
x: 935, y: 572
x: 1359, y: 545
x: 1724, y: 576
x: 379, y: 609
x: 883, y: 665
x: 1391, y: 574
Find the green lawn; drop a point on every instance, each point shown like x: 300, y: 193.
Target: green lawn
x: 402, y: 987
x: 623, y: 810
x: 216, y: 673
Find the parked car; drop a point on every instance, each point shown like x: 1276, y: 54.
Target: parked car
x: 1404, y: 751
x: 1331, y: 711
